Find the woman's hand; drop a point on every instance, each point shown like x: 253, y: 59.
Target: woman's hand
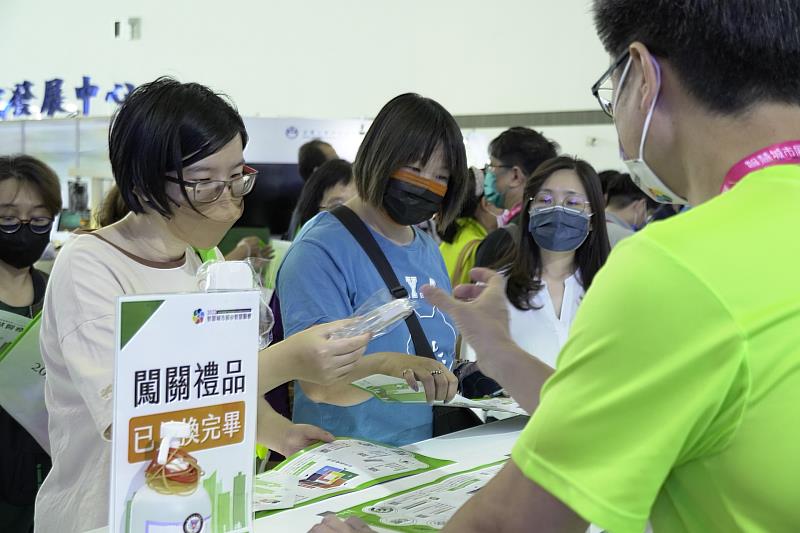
x: 439, y: 383
x: 323, y: 360
x: 333, y: 524
x: 299, y: 436
x: 251, y: 247
x: 278, y: 433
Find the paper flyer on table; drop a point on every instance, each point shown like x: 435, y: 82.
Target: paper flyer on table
x: 346, y: 465
x: 274, y: 490
x: 395, y: 390
x: 22, y: 375
x: 427, y: 507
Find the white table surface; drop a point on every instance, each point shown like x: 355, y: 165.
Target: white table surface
x: 469, y: 448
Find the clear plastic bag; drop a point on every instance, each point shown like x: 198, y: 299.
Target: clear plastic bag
x: 378, y: 315
x: 221, y: 275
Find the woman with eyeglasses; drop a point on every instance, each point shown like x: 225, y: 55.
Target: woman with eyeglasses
x: 176, y: 153
x: 30, y: 197
x: 562, y: 245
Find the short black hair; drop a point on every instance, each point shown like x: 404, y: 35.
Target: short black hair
x: 310, y: 156
x: 525, y: 272
x: 164, y: 126
x: 329, y: 174
x: 408, y: 129
x: 524, y: 148
x: 622, y: 192
x: 31, y: 171
x: 728, y: 54
x: 606, y: 177
x: 471, y: 202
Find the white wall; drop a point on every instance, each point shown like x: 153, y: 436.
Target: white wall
x: 318, y: 58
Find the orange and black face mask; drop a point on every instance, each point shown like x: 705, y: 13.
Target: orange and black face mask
x: 411, y: 198
x: 412, y: 178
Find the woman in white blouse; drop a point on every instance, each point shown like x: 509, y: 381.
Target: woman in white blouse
x: 562, y: 242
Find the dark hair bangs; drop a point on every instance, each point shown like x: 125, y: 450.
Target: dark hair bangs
x: 407, y: 130
x: 165, y: 126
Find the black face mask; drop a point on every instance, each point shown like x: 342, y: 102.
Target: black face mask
x: 23, y: 248
x: 408, y: 204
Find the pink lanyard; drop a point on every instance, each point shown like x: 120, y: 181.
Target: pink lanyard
x: 509, y: 214
x: 785, y: 153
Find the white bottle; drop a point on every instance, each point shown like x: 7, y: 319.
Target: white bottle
x: 189, y: 511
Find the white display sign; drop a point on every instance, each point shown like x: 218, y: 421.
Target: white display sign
x: 186, y: 368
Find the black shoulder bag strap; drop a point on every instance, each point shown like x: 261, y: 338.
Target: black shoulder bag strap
x: 363, y: 236
x: 445, y: 419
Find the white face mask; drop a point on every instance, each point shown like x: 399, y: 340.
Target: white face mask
x: 643, y: 176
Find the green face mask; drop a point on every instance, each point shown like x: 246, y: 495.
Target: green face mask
x: 490, y: 192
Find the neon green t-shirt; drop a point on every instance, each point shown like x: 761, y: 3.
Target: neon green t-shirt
x: 677, y: 396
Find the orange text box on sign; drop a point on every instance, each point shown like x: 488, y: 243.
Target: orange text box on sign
x: 212, y: 426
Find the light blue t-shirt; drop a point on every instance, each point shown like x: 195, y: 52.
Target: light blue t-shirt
x: 326, y: 276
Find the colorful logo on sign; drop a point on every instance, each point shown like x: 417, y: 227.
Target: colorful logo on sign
x: 198, y: 316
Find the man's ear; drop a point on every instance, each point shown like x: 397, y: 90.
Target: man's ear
x: 644, y: 62
x: 518, y: 177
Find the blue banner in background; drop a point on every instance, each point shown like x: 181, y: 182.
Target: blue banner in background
x: 19, y: 102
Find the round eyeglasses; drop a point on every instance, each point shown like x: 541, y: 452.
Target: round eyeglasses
x: 38, y: 225
x: 574, y: 202
x: 209, y: 191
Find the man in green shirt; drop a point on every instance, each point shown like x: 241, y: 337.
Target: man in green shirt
x: 677, y: 398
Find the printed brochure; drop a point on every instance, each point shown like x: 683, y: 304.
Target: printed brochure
x: 425, y: 508
x: 344, y: 465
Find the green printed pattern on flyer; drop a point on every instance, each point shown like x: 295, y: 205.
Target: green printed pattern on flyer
x: 427, y: 507
x: 390, y: 389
